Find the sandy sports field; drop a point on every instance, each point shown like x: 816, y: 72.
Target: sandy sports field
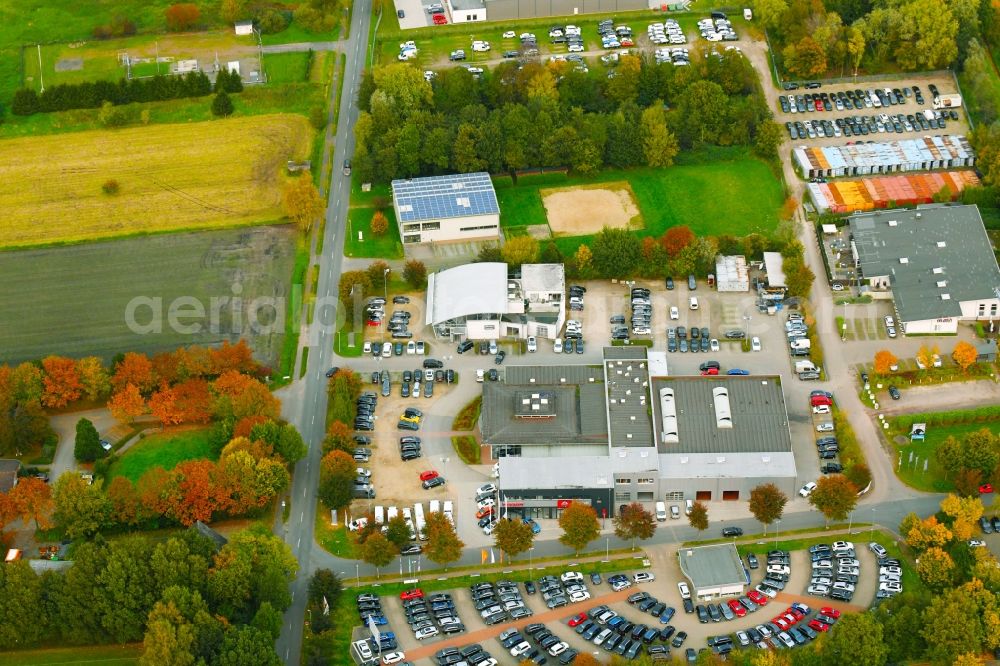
x: 579, y: 211
x: 185, y: 176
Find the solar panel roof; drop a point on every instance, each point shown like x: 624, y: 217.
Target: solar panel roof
x: 439, y: 197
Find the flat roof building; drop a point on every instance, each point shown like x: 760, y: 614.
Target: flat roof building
x: 731, y: 273
x: 714, y: 571
x: 485, y: 301
x: 459, y: 207
x: 935, y: 262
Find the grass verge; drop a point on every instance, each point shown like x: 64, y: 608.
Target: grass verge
x: 469, y: 416
x: 467, y: 448
x: 293, y: 313
x: 912, y: 456
x: 337, y: 541
x: 119, y: 655
x: 165, y: 449
x: 386, y: 246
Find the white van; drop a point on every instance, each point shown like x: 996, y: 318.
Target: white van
x: 675, y: 512
x: 380, y: 515
x: 693, y: 302
x: 688, y: 507
x: 661, y: 511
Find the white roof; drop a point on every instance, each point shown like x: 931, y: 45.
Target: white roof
x: 773, y: 265
x: 466, y: 290
x: 776, y: 464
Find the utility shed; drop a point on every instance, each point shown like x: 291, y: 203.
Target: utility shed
x: 714, y: 571
x: 731, y: 273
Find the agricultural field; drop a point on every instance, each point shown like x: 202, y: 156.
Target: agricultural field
x: 74, y: 300
x: 79, y: 655
x: 733, y: 194
x: 169, y: 177
x: 165, y: 449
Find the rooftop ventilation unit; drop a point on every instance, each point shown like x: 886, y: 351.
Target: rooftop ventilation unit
x: 904, y: 260
x: 723, y: 413
x: 945, y: 297
x: 942, y: 283
x: 937, y: 270
x: 942, y: 244
x: 893, y: 223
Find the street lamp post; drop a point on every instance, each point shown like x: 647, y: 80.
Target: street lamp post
x: 777, y: 528
x: 850, y: 522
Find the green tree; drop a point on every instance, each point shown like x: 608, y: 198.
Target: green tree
x: 698, y: 518
x: 579, y: 525
x: 268, y: 620
x: 955, y: 618
x: 397, y: 531
x: 634, y: 522
x: 336, y: 479
x: 513, y: 537
x: 616, y: 252
x: 415, y: 273
x: 169, y: 638
x: 767, y: 503
x: 443, y: 545
x: 87, y: 447
x: 551, y: 254
x: 290, y: 445
x: 926, y: 35
x: 81, y: 509
x: 768, y: 139
x: 835, y: 496
x: 126, y: 595
x: 254, y: 567
x: 857, y: 640
x: 705, y: 107
x: 21, y: 591
x: 805, y: 59
x: 520, y: 250
x: 245, y: 645
x: 902, y: 627
x: 222, y: 106
x: 378, y: 551
x: 769, y: 12
x: 659, y: 145
x: 464, y: 155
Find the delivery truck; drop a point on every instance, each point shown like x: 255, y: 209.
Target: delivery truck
x: 947, y: 101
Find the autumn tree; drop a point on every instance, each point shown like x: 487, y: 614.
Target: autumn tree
x: 676, y: 239
x: 338, y: 438
x: 443, y: 545
x: 634, y: 522
x: 936, y: 568
x: 33, y: 499
x: 513, y: 537
x: 835, y: 496
x: 415, y: 273
x: 583, y: 261
x: 134, y: 368
x: 698, y: 518
x: 964, y: 513
x: 378, y: 551
x: 81, y: 509
x: 94, y: 378
x: 127, y: 404
x: 238, y: 395
x: 61, y: 383
x: 927, y: 533
x: 336, y: 479
x: 87, y: 446
x: 767, y: 504
x: 379, y: 224
x: 964, y: 355
x: 925, y: 355
x: 884, y: 360
x: 857, y: 640
x: 520, y: 250
x: 579, y: 525
x: 126, y: 507
x: 805, y: 58
x: 397, y: 531
x: 302, y: 201
x: 182, y: 16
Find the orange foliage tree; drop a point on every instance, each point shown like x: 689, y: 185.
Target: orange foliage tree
x: 61, y: 384
x: 162, y: 405
x: 127, y: 404
x: 152, y: 489
x: 964, y: 355
x: 193, y: 401
x: 238, y: 395
x: 32, y: 498
x: 135, y: 369
x: 884, y: 360
x: 182, y: 16
x: 676, y: 239
x: 232, y: 357
x: 191, y: 492
x: 126, y: 506
x: 246, y: 424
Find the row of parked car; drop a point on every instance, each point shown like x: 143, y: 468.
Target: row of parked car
x: 433, y: 615
x: 845, y: 100
x: 614, y: 37
x: 866, y: 125
x: 668, y: 32
x: 471, y: 655
x: 718, y: 28
x: 792, y: 627
x: 827, y: 446
x: 616, y: 634
x: 535, y: 643
x: 835, y: 570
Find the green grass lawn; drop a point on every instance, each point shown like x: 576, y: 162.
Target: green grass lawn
x: 934, y: 479
x: 165, y: 450
x: 286, y: 67
x: 386, y: 246
x: 335, y: 540
x: 728, y: 193
x: 118, y: 655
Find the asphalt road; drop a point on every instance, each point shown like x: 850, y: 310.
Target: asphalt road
x: 305, y: 404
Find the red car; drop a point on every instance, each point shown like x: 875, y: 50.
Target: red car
x: 758, y: 598
x: 781, y: 622
x: 428, y: 475
x: 415, y: 593
x: 440, y: 19
x: 817, y: 400
x: 819, y: 626
x: 985, y: 488
x: 737, y: 608
x: 819, y: 105
x: 830, y: 612
x: 577, y: 619
x: 485, y: 511
x: 709, y: 371
x: 796, y: 613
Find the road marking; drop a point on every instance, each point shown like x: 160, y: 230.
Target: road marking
x: 314, y: 419
x: 298, y: 546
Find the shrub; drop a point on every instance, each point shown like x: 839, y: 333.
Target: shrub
x: 467, y: 418
x: 467, y: 449
x: 271, y: 21
x: 110, y: 186
x: 182, y: 16
x: 222, y: 106
x: 379, y: 223
x: 317, y: 117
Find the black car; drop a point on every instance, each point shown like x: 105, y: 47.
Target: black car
x: 702, y: 613
x: 670, y: 284
x: 688, y: 606
x: 832, y: 468
x: 501, y: 355
x: 732, y: 531
x: 432, y: 363
x: 894, y: 392
x: 734, y: 335
x: 752, y: 561
x: 465, y: 346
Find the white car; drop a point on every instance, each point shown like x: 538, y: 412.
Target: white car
x: 571, y: 577
x: 480, y: 375
x: 488, y: 488
x: 842, y: 546
x: 755, y: 344
x: 682, y: 587
x: 393, y: 658
x: 488, y: 530
x: 643, y: 577
x: 578, y: 596
x: 408, y: 54
x: 361, y: 471
x: 574, y: 48
x: 767, y: 591
x: 421, y: 348
x: 411, y: 347
x: 558, y: 648
x: 532, y: 344
x: 826, y: 426
x: 480, y: 46
x: 426, y: 632
x: 713, y: 345
x: 489, y: 501
x: 510, y: 34
x: 674, y: 312
x: 976, y: 543
x: 367, y: 347
x: 520, y: 649
x: 807, y: 489
x: 357, y: 525
x: 557, y: 346
x: 821, y: 409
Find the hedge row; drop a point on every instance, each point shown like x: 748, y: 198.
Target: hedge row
x: 950, y: 417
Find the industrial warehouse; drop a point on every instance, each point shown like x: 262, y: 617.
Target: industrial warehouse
x: 624, y: 433
x: 863, y: 159
x: 852, y: 196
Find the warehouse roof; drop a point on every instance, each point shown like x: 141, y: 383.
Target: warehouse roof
x: 572, y: 472
x: 758, y: 421
x: 628, y: 396
x: 935, y: 256
x: 466, y: 290
x: 770, y: 464
x: 440, y: 197
x: 577, y: 414
x: 712, y: 566
x: 543, y: 277
x: 774, y: 265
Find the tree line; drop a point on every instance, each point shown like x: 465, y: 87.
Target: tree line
x: 186, y: 599
x: 94, y: 94
x: 544, y: 115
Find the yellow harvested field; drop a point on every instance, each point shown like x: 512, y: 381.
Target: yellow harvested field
x: 205, y: 175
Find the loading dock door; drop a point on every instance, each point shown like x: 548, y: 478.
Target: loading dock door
x: 730, y: 495
x: 703, y: 495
